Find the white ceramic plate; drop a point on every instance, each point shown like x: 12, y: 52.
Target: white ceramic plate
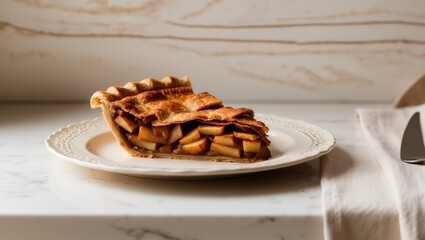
x: 90, y: 144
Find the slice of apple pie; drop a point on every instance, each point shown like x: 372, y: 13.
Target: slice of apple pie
x: 166, y: 119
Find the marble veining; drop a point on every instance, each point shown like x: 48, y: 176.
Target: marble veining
x: 141, y: 233
x: 317, y: 81
x: 331, y: 51
x: 37, y: 189
x: 305, y: 24
x: 35, y: 32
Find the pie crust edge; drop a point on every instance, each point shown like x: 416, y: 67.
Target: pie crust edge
x: 115, y: 93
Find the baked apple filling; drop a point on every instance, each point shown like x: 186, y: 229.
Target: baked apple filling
x: 166, y: 119
x: 193, y: 138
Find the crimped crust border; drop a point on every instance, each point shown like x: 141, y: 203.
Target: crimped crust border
x: 116, y: 93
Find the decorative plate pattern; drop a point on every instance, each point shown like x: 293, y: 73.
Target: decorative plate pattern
x: 90, y: 144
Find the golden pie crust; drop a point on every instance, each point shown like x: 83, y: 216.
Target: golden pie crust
x: 171, y: 101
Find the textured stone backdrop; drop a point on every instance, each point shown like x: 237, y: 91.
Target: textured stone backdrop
x: 328, y: 50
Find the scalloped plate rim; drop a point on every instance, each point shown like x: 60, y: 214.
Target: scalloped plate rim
x: 149, y: 172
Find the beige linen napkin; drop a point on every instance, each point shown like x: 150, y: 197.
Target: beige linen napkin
x: 384, y: 130
x: 413, y: 95
x: 375, y: 195
x: 357, y: 202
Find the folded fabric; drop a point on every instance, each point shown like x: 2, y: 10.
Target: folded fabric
x: 357, y: 201
x: 378, y: 196
x: 384, y: 131
x: 413, y: 95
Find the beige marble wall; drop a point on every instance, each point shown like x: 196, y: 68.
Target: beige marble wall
x: 328, y: 50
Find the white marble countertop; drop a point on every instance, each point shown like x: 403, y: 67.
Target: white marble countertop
x: 43, y: 197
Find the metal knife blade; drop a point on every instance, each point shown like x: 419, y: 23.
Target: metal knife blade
x: 412, y: 143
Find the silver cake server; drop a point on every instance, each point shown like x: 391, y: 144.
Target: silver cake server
x: 412, y: 143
